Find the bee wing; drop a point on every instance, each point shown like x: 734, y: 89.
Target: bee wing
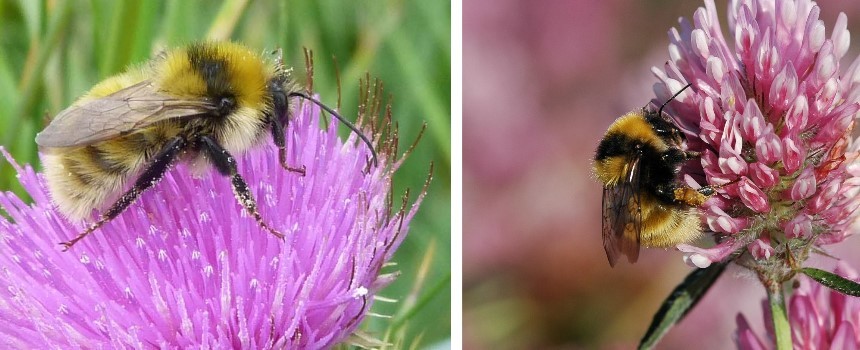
x: 622, y: 216
x: 116, y: 114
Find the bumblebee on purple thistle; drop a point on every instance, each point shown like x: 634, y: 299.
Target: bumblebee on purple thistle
x: 183, y: 267
x: 201, y: 104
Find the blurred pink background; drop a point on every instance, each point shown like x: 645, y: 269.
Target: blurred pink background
x: 542, y: 82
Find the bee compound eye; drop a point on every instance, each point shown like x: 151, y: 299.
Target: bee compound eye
x: 225, y: 104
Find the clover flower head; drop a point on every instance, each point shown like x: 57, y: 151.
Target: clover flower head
x: 772, y: 114
x: 820, y: 318
x: 186, y: 267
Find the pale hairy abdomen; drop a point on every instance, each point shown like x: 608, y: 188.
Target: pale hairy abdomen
x: 667, y: 227
x: 84, y: 178
x: 90, y: 177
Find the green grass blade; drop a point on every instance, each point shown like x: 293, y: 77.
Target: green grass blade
x: 685, y: 296
x: 833, y: 281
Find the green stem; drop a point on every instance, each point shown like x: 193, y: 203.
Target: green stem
x: 781, y: 328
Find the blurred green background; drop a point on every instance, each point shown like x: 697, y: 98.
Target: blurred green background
x: 53, y: 51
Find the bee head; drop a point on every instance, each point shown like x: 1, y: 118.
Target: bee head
x: 280, y: 101
x: 665, y: 129
x: 663, y: 126
x: 278, y: 86
x: 280, y: 90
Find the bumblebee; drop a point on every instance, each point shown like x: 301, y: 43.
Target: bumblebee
x: 643, y: 202
x: 199, y: 104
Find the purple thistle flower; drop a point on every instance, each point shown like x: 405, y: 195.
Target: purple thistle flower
x: 775, y: 114
x: 186, y: 267
x: 820, y: 318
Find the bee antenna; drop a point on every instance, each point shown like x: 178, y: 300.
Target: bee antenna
x: 660, y: 112
x: 351, y: 126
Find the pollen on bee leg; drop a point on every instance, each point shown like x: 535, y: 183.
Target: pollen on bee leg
x: 690, y: 196
x: 243, y: 196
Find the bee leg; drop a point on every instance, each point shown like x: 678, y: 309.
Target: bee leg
x: 150, y: 176
x: 707, y: 190
x: 280, y: 141
x: 691, y: 155
x: 691, y: 196
x: 666, y: 192
x: 226, y: 165
x: 684, y: 194
x: 710, y: 190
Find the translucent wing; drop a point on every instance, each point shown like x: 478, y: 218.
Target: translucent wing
x: 107, y: 117
x: 622, y: 215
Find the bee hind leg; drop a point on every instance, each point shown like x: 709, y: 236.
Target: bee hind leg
x: 226, y: 165
x: 710, y: 190
x: 693, y: 197
x: 150, y: 176
x: 683, y: 194
x: 696, y: 197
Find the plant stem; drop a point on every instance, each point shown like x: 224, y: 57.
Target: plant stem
x: 781, y: 328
